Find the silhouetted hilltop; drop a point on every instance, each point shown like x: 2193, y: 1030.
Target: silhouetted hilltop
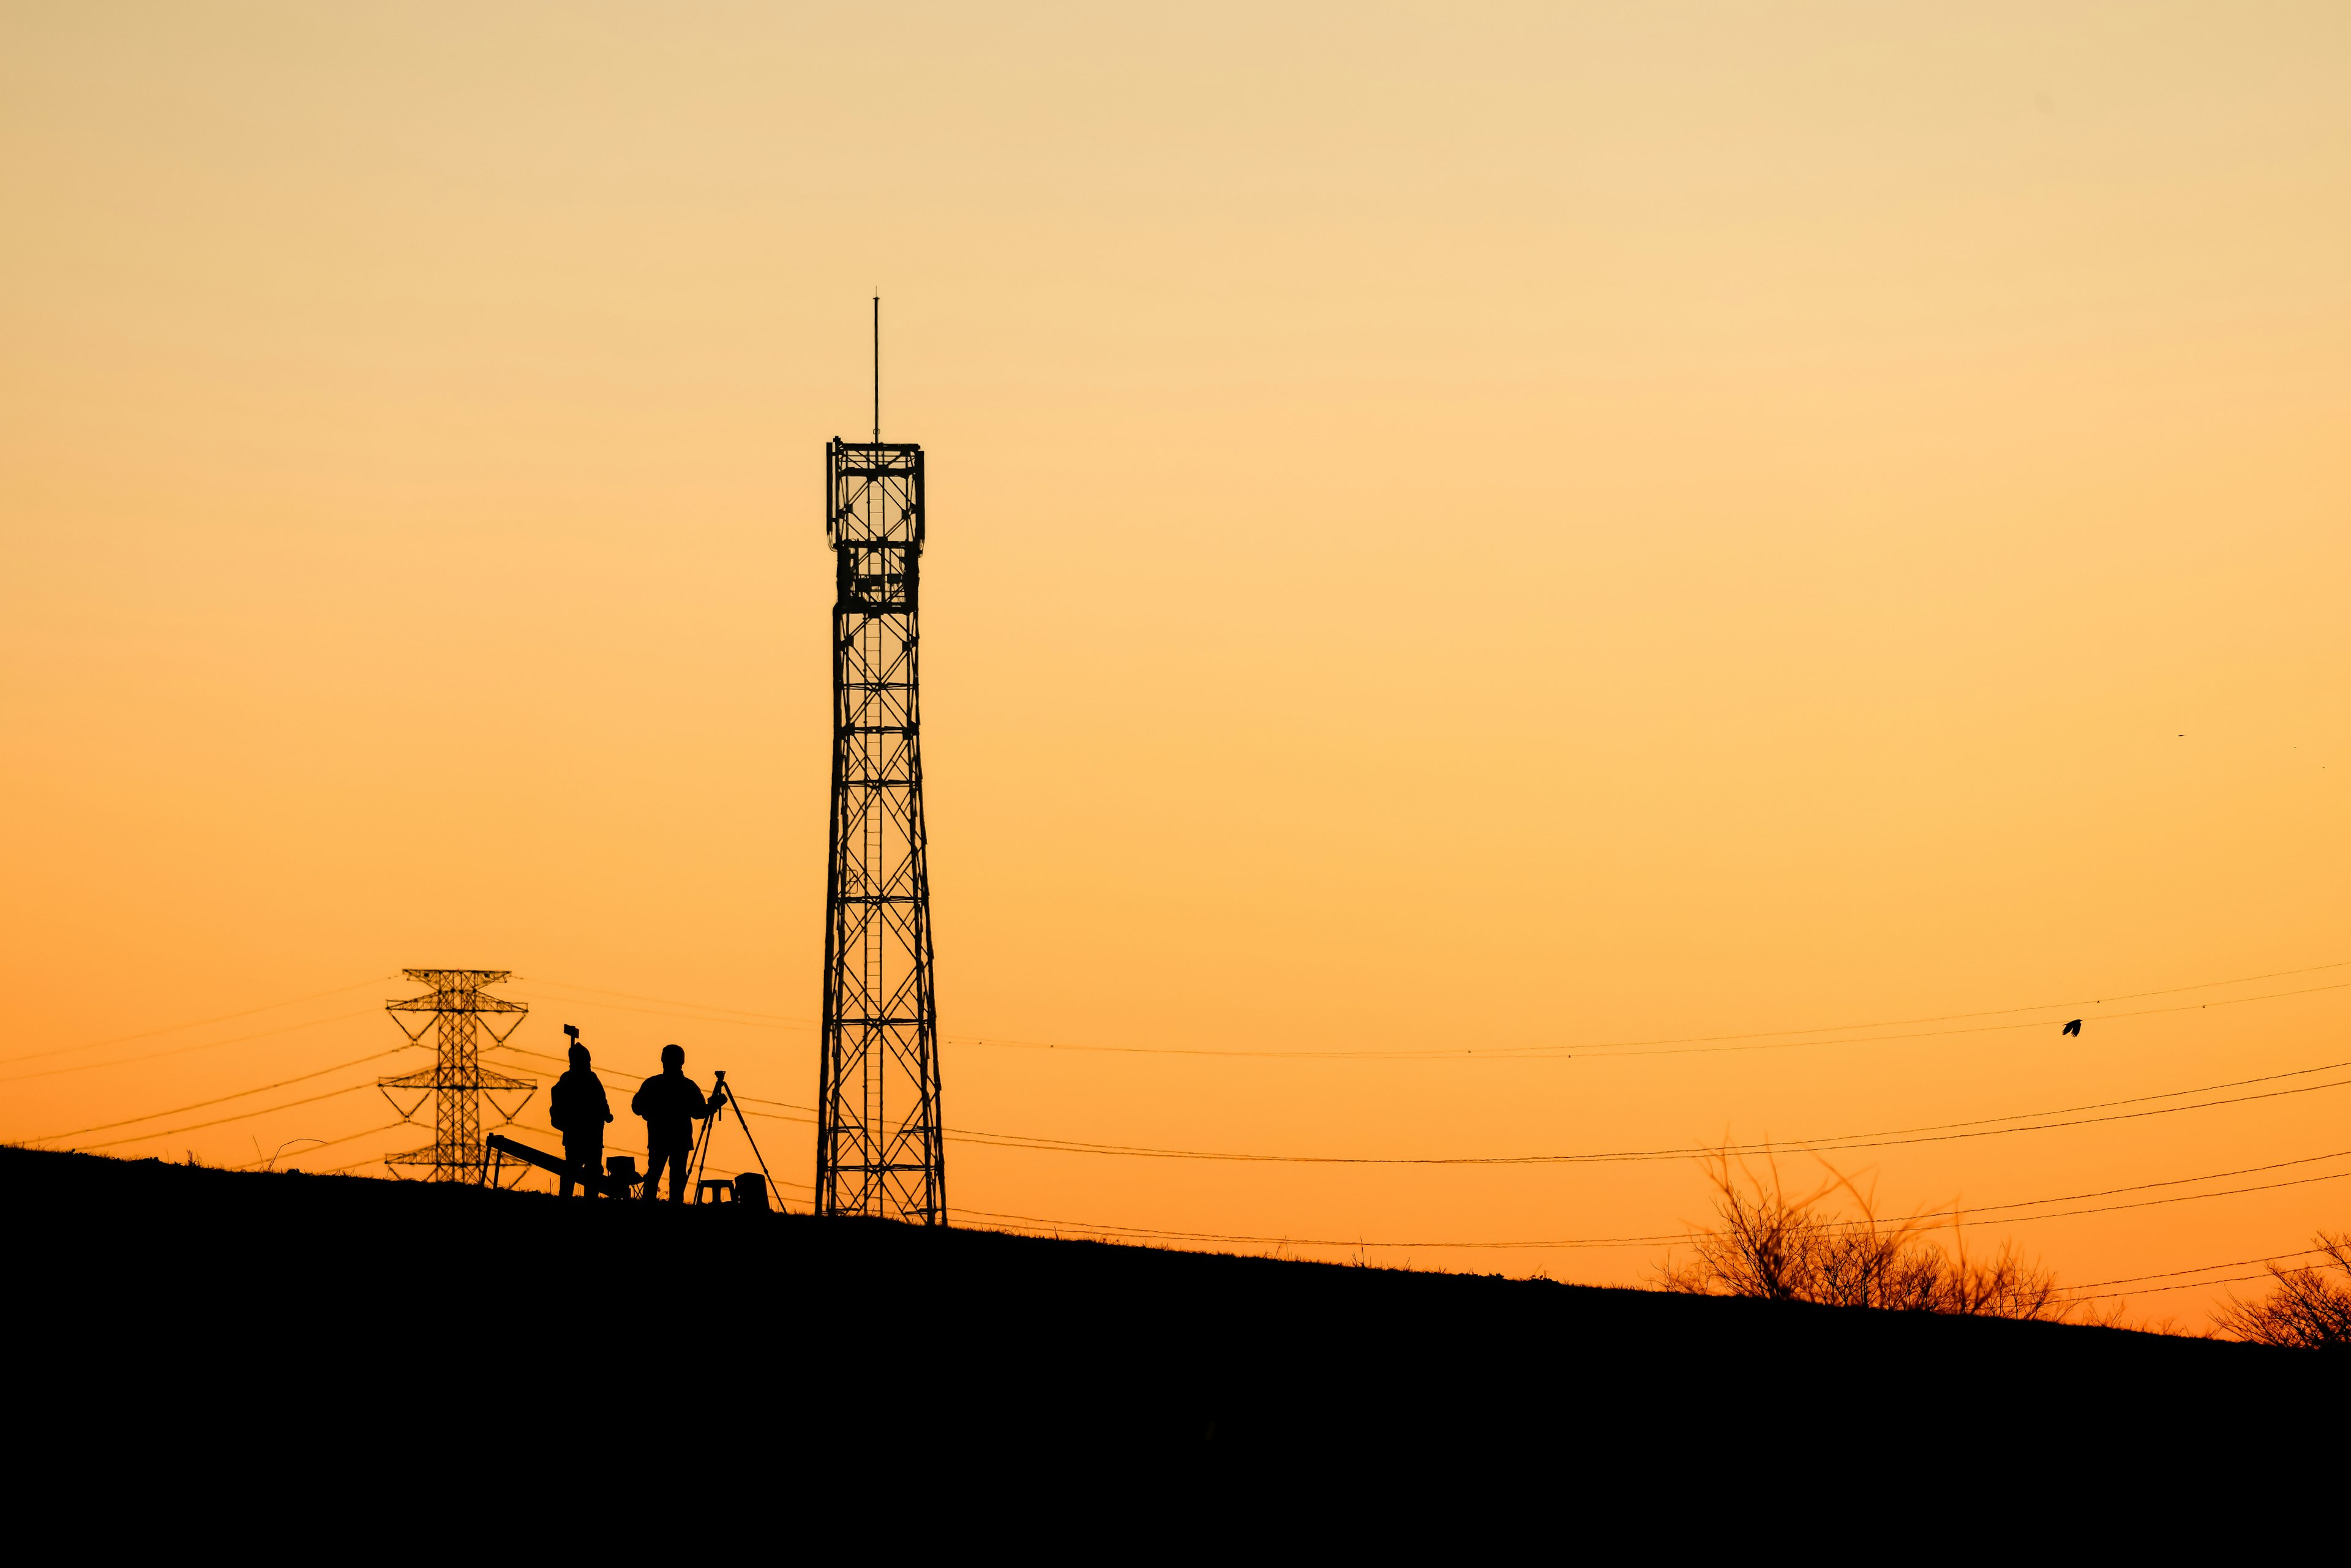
x: 192, y: 1296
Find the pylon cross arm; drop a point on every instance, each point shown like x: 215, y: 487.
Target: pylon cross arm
x: 413, y: 1005
x: 409, y: 1114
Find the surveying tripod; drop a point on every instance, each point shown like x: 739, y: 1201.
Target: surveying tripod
x: 699, y: 1164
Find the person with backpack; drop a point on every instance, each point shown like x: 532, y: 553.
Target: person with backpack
x: 577, y: 1108
x: 670, y: 1104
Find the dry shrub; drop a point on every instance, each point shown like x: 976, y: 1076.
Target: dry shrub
x: 2306, y: 1309
x: 1778, y: 1247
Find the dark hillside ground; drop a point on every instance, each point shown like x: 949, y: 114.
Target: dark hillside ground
x: 146, y: 1296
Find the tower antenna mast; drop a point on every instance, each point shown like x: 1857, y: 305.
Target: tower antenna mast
x: 879, y: 1141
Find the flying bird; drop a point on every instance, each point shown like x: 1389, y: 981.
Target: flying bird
x: 2073, y: 1028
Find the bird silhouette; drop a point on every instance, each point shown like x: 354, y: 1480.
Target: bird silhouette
x: 2073, y: 1028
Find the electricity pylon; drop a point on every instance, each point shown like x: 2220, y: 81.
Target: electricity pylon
x: 878, y: 1146
x: 456, y: 1080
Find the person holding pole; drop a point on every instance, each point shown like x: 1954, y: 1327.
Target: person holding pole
x: 577, y: 1108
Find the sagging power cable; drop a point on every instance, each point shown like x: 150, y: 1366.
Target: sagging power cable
x: 2159, y: 1290
x: 200, y: 1023
x: 1606, y: 1242
x: 221, y: 1121
x: 185, y: 1049
x: 1842, y: 1139
x: 1697, y: 1045
x: 1935, y: 1133
x: 222, y: 1100
x: 1622, y: 1047
x: 2203, y: 1268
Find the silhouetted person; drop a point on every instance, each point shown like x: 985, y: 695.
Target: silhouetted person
x: 577, y: 1107
x: 670, y: 1104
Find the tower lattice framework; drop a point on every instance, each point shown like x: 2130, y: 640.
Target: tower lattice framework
x: 461, y: 1007
x: 878, y: 1144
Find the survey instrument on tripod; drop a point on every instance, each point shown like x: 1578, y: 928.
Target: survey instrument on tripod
x: 698, y: 1171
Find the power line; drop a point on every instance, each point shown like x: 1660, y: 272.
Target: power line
x: 1534, y: 1054
x: 1144, y: 1236
x: 1079, y: 1227
x: 184, y: 1049
x: 2158, y: 1289
x: 1846, y: 1139
x: 1147, y: 1234
x: 689, y: 1018
x: 524, y: 1050
x: 1844, y: 1143
x: 1063, y: 1145
x: 1954, y: 1211
x: 2039, y: 1007
x: 670, y: 1002
x: 1083, y: 1228
x: 1985, y: 1127
x: 174, y: 1028
x: 222, y: 1100
x: 2201, y: 1268
x: 2182, y: 1197
x: 1960, y: 1211
x: 1097, y: 1228
x: 1619, y: 1046
x: 1987, y: 1029
x: 1614, y: 1049
x: 240, y: 1116
x: 1605, y: 1242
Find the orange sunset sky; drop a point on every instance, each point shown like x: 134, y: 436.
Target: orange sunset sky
x: 1503, y: 581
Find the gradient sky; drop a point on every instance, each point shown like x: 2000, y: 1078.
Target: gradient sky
x: 1453, y: 529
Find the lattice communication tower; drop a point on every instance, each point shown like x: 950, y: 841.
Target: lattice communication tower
x: 878, y: 1145
x: 457, y: 1082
